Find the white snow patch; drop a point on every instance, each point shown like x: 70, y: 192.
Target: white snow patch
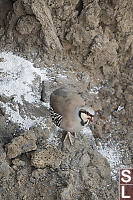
x: 110, y: 118
x: 17, y: 78
x: 112, y: 153
x: 46, y: 104
x: 87, y: 131
x: 62, y: 76
x: 120, y: 108
x: 95, y: 89
x: 25, y: 121
x: 54, y: 137
x: 110, y: 150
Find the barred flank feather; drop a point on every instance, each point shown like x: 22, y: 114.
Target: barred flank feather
x: 56, y: 118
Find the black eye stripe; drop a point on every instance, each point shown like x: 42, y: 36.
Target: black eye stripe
x: 86, y: 112
x: 91, y: 115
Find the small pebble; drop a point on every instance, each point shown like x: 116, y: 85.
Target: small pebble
x: 1, y: 59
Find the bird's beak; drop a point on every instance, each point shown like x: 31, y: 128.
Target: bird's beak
x: 91, y: 119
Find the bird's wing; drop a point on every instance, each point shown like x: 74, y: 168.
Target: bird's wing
x: 64, y: 101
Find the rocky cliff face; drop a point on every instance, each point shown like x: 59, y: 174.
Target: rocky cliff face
x: 83, y: 44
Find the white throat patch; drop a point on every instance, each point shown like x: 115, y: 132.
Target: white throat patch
x: 84, y: 117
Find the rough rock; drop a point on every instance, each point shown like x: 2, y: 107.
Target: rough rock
x: 125, y: 18
x: 7, y: 130
x: 17, y: 162
x: 101, y: 59
x: 85, y: 168
x: 43, y: 15
x: 49, y: 156
x: 98, y: 131
x: 27, y: 25
x: 102, y: 165
x: 89, y: 175
x: 4, y: 170
x: 5, y: 7
x: 22, y: 144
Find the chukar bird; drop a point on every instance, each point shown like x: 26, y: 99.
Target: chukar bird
x: 69, y: 112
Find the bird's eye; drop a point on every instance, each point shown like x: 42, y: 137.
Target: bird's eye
x: 89, y: 114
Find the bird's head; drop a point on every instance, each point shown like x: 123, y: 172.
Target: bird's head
x: 86, y: 114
